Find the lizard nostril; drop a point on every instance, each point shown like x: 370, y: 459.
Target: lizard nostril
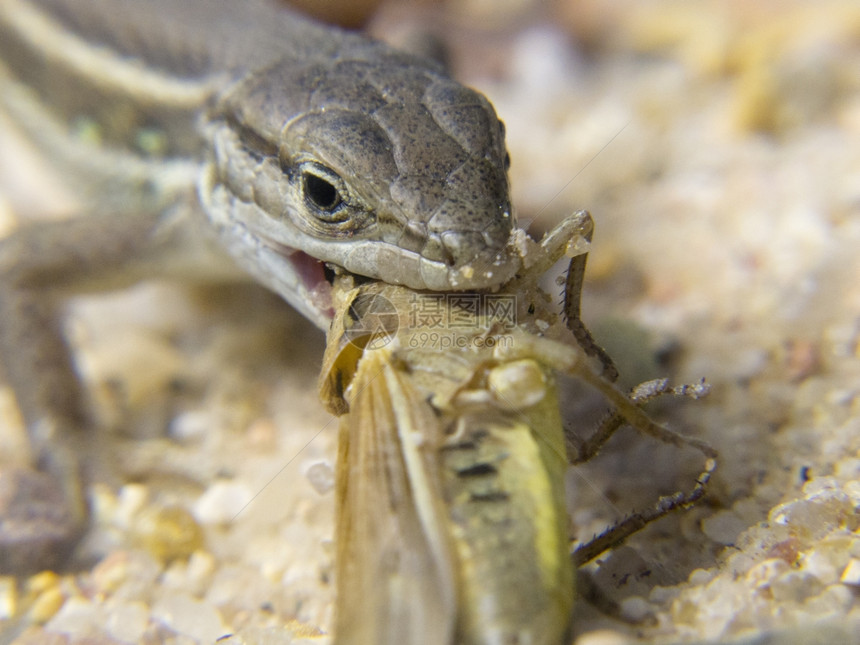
x: 461, y: 248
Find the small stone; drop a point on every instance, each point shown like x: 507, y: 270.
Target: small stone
x: 685, y: 611
x: 795, y: 586
x: 190, y: 617
x: 193, y: 575
x: 126, y: 574
x: 321, y: 476
x: 78, y: 617
x: 47, y: 604
x: 302, y: 630
x: 42, y: 581
x: 764, y: 573
x: 103, y: 504
x: 700, y: 577
x: 814, y: 517
x: 167, y: 532
x: 821, y: 566
x: 834, y: 599
x: 192, y: 426
x: 785, y: 550
x: 201, y: 566
x: 132, y: 498
x: 222, y: 501
x: 127, y: 622
x: 636, y: 609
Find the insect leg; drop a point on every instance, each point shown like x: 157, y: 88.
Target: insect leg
x: 571, y: 310
x: 635, y: 522
x: 580, y: 451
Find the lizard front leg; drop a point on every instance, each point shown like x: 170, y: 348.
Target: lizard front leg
x: 42, y: 510
x: 42, y: 506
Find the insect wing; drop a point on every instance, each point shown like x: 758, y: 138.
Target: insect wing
x: 394, y: 564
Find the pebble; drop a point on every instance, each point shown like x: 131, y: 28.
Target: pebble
x: 126, y: 574
x: 192, y: 426
x: 167, y: 532
x: 78, y: 617
x: 131, y: 499
x: 41, y: 582
x: 190, y: 617
x: 321, y: 476
x: 636, y: 609
x: 222, y: 502
x: 816, y: 515
x: 127, y: 621
x: 795, y: 586
x: 194, y: 575
x: 834, y: 599
x: 764, y: 573
x: 700, y: 577
x: 823, y: 565
x: 47, y: 604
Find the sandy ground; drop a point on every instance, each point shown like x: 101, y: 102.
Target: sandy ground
x: 718, y: 148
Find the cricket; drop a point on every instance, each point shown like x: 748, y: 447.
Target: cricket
x: 451, y: 520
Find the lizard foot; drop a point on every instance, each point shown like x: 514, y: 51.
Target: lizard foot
x: 38, y: 528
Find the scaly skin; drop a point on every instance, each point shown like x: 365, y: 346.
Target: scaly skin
x: 212, y: 139
x: 296, y: 138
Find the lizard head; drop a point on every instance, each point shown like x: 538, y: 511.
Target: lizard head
x: 377, y: 163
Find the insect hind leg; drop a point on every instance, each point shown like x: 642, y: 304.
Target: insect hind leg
x: 641, y: 394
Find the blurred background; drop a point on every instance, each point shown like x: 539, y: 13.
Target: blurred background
x: 717, y: 145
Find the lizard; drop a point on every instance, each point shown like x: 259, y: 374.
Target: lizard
x: 210, y: 139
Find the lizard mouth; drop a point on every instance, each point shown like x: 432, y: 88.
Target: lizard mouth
x: 306, y: 284
x: 316, y: 278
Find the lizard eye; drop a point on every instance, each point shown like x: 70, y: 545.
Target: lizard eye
x: 321, y: 193
x: 322, y: 190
